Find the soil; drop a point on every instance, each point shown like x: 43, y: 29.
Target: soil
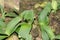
x: 55, y: 21
x: 36, y: 33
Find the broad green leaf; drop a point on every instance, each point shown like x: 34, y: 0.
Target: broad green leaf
x: 29, y: 37
x: 28, y: 15
x: 43, y: 20
x: 49, y: 31
x: 24, y: 30
x: 57, y: 37
x: 1, y: 19
x: 2, y: 27
x: 18, y: 25
x: 11, y: 26
x: 2, y: 37
x: 44, y: 34
x: 43, y: 14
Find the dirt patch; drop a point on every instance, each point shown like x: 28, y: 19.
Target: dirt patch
x: 55, y: 21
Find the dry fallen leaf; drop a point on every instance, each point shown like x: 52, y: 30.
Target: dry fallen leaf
x: 13, y: 37
x: 12, y: 4
x: 2, y: 2
x: 42, y: 5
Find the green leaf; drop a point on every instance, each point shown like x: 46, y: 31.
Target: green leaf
x: 24, y: 30
x: 43, y: 21
x: 28, y: 15
x: 11, y: 26
x: 1, y: 19
x: 43, y: 14
x: 49, y: 31
x: 29, y: 37
x: 2, y: 27
x: 2, y: 37
x: 57, y: 37
x: 44, y: 35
